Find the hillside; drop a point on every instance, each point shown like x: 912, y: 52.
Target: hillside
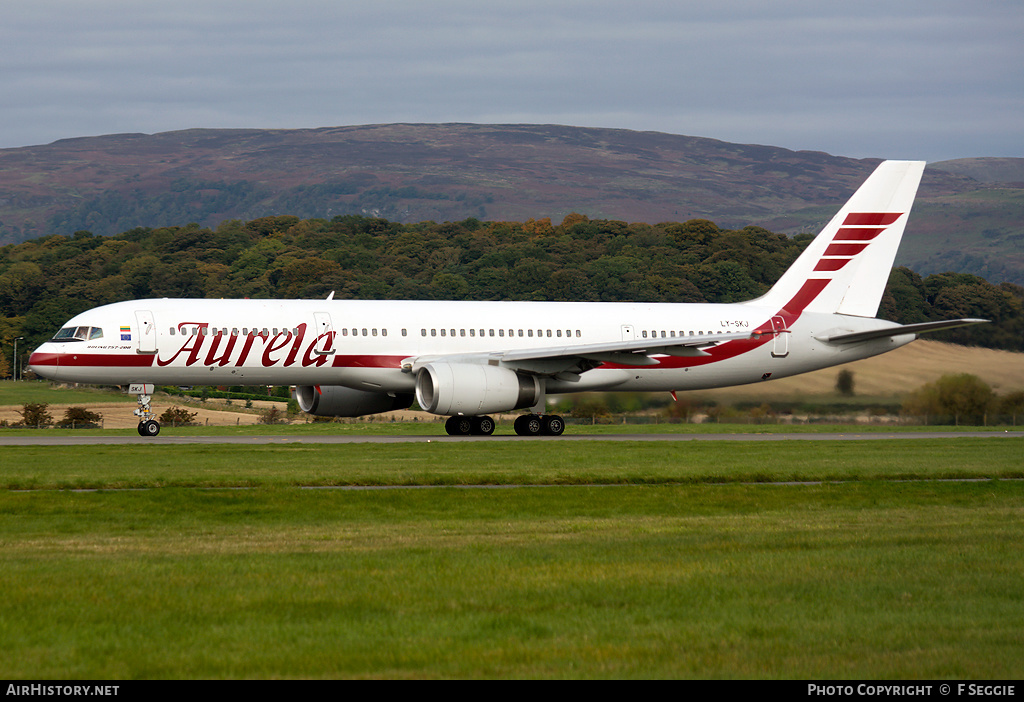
x: 968, y: 217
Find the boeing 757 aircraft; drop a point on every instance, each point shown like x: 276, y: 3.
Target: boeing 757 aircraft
x: 466, y: 360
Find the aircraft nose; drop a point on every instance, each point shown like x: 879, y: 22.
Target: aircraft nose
x: 45, y: 361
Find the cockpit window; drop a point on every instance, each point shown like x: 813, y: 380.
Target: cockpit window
x: 78, y: 334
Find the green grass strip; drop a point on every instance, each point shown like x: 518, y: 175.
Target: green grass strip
x: 865, y: 580
x: 505, y: 463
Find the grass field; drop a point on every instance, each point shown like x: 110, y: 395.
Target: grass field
x: 521, y: 462
x: 584, y: 560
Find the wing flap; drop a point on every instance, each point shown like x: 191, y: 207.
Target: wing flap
x: 630, y: 349
x: 550, y: 360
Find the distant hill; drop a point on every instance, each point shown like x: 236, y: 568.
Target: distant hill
x: 968, y: 217
x: 991, y: 171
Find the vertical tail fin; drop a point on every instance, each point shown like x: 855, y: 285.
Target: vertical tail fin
x: 846, y: 267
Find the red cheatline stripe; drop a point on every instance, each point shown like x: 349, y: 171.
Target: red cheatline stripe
x: 857, y: 234
x: 86, y: 360
x: 831, y: 264
x: 805, y: 296
x: 844, y: 249
x: 790, y: 312
x: 871, y: 219
x: 367, y: 361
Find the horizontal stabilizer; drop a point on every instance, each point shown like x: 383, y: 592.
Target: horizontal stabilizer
x: 901, y: 330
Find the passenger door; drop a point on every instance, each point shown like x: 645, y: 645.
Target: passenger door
x: 147, y: 331
x: 780, y: 346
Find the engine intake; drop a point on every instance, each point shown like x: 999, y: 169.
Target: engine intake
x: 472, y: 389
x: 339, y: 401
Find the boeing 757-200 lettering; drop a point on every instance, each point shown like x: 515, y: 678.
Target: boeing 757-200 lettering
x: 466, y: 360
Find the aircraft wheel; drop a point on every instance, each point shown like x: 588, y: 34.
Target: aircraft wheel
x: 528, y: 425
x: 553, y: 425
x: 149, y: 428
x: 483, y: 425
x: 458, y: 426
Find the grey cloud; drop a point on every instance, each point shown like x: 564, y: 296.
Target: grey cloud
x: 924, y: 78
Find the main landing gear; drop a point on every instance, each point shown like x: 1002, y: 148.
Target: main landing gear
x: 539, y: 425
x: 462, y: 426
x: 526, y: 425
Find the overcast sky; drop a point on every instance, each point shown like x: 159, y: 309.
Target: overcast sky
x: 922, y: 79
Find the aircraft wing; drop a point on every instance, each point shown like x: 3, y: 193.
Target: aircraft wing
x: 899, y: 330
x: 578, y: 358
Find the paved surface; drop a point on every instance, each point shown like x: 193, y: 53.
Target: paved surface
x: 168, y: 437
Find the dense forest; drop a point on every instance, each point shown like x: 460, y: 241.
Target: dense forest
x: 45, y: 281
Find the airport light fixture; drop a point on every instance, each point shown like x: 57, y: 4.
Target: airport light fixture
x: 16, y: 340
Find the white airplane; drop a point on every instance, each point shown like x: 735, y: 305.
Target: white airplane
x: 466, y: 360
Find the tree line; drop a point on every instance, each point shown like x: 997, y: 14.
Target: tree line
x: 45, y: 281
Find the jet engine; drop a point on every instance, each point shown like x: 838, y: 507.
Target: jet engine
x: 472, y: 389
x: 339, y: 401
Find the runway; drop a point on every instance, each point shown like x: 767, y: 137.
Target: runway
x: 169, y: 439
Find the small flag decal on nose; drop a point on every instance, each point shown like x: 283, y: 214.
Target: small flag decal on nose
x: 126, y: 333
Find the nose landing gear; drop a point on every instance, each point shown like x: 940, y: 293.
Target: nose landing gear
x: 148, y: 426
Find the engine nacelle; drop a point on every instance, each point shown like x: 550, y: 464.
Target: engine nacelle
x: 472, y: 389
x: 339, y: 401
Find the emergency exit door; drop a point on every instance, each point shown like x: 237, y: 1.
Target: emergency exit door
x: 324, y: 334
